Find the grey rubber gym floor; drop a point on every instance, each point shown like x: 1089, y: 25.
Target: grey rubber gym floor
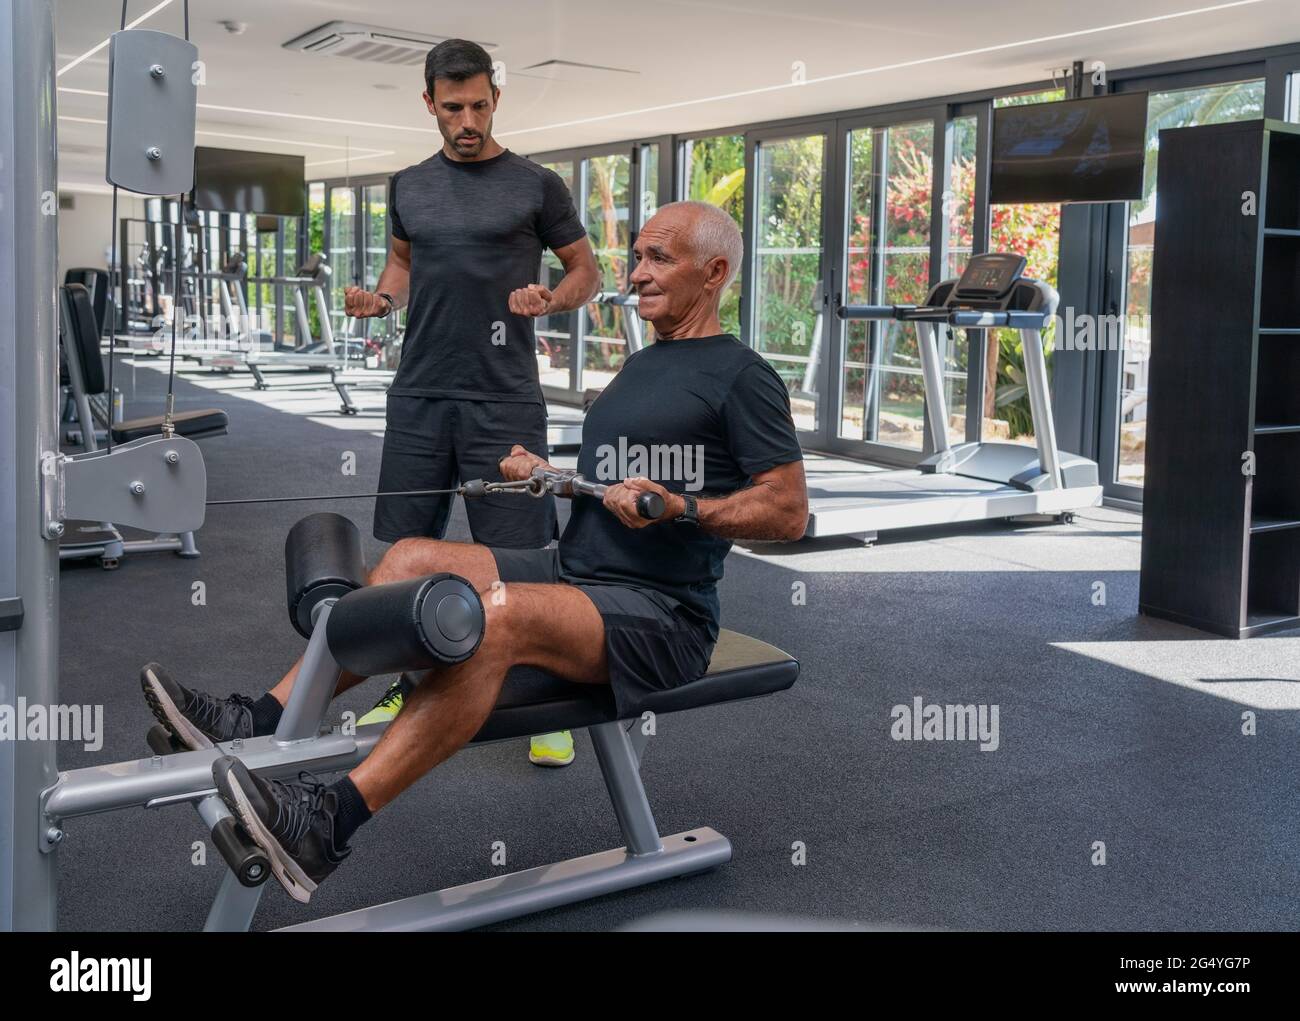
x: 1114, y: 729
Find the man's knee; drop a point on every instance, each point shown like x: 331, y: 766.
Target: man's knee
x: 500, y: 615
x: 404, y: 559
x: 551, y: 626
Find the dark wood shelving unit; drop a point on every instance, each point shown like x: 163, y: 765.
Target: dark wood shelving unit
x: 1221, y: 546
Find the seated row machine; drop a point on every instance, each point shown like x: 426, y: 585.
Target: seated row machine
x: 406, y: 626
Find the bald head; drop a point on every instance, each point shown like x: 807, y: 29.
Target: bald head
x: 687, y: 255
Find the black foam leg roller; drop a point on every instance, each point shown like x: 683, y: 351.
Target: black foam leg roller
x: 322, y: 560
x: 406, y: 625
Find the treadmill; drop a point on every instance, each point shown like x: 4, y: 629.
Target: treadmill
x: 973, y: 481
x: 309, y: 354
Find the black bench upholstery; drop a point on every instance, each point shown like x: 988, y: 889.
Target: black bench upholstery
x: 534, y: 702
x: 193, y: 424
x: 95, y: 280
x: 81, y: 338
x: 81, y: 341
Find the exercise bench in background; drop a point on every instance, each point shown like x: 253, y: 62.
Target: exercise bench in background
x: 87, y: 380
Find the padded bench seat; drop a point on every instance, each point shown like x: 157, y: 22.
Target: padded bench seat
x: 192, y: 424
x: 80, y: 340
x: 535, y: 702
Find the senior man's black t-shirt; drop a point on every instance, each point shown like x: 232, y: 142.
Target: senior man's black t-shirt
x: 477, y: 231
x: 700, y: 416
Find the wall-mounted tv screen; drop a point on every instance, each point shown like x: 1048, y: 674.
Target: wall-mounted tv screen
x: 234, y: 181
x: 1077, y: 150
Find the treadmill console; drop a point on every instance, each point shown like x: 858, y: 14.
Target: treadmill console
x: 988, y: 277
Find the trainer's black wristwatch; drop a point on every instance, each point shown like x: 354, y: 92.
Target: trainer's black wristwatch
x: 392, y: 304
x: 691, y: 515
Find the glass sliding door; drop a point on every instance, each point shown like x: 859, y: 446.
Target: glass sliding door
x: 647, y: 155
x: 374, y: 233
x: 344, y: 263
x: 283, y: 324
x: 958, y: 211
x: 347, y: 223
x: 606, y: 213
x: 555, y: 362
x: 615, y: 191
x: 887, y: 247
x: 315, y: 241
x: 374, y: 255
x: 263, y: 304
x: 648, y: 181
x: 713, y: 171
x: 788, y: 295
x: 959, y: 200
x: 1123, y: 448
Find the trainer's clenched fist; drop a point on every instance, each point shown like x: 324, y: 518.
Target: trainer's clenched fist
x: 533, y: 300
x: 519, y: 464
x: 363, y: 304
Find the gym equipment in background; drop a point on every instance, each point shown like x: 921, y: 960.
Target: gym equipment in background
x: 973, y: 481
x: 86, y: 379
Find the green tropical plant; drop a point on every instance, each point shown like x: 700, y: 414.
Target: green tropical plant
x: 722, y: 191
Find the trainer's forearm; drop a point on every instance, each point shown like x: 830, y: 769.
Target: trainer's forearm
x: 577, y: 288
x: 395, y: 280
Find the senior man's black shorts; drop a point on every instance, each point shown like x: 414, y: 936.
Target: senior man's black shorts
x: 652, y: 642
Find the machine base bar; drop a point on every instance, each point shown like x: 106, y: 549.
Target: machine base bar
x: 532, y: 890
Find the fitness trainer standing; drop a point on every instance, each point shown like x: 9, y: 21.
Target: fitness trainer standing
x: 469, y: 225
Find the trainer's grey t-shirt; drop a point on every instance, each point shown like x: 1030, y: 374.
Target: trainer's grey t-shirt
x: 477, y: 231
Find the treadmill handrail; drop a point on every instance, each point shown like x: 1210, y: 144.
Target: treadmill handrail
x: 870, y: 311
x: 284, y: 281
x: 953, y: 316
x: 1013, y: 318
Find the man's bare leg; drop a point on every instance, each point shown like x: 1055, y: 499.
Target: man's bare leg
x: 306, y: 828
x: 553, y: 627
x: 196, y: 719
x: 412, y: 558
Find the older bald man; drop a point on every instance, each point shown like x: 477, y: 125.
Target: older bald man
x: 698, y: 418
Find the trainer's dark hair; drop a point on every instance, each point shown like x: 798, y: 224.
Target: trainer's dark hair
x: 457, y: 59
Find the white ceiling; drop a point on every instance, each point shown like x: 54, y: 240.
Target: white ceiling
x: 698, y: 64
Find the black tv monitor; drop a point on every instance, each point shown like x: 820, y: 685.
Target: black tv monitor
x: 1076, y: 150
x: 235, y: 181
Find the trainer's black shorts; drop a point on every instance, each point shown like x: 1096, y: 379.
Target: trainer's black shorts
x: 652, y: 642
x: 433, y: 443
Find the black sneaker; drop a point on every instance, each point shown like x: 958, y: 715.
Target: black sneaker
x: 194, y: 718
x: 292, y: 822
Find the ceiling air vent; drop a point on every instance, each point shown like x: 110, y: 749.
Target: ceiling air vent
x: 369, y: 42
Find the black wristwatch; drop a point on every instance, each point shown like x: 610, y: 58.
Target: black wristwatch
x: 691, y: 515
x: 392, y: 304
